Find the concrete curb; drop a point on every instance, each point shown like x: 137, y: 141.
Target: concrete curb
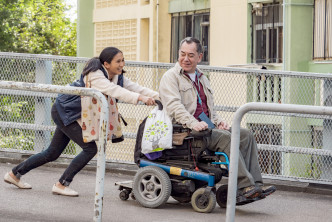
x: 130, y: 169
x: 63, y: 162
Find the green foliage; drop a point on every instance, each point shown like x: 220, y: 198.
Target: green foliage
x: 30, y: 26
x: 16, y: 139
x: 36, y: 26
x: 10, y: 111
x: 13, y: 138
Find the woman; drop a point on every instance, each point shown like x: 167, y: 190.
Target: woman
x: 110, y: 60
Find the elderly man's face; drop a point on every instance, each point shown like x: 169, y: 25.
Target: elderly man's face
x: 189, y: 57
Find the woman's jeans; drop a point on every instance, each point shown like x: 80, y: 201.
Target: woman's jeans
x: 62, y: 136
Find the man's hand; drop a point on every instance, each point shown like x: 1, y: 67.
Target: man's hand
x: 147, y: 100
x: 200, y: 126
x: 223, y: 125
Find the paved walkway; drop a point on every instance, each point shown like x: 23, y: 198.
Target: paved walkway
x: 39, y: 204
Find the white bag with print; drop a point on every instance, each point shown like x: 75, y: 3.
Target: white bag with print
x: 158, y: 130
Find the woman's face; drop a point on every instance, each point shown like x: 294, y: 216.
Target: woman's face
x: 116, y: 65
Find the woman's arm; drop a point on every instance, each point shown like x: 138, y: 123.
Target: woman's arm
x: 135, y: 87
x: 97, y: 80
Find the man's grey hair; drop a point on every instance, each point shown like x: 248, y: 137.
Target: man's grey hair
x: 190, y: 40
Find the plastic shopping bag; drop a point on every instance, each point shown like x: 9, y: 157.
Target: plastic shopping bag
x: 158, y: 130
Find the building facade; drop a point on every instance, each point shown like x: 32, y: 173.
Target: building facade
x: 285, y: 35
x: 290, y: 35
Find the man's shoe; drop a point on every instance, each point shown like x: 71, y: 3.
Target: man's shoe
x: 19, y: 184
x: 267, y: 190
x: 251, y: 192
x: 65, y: 192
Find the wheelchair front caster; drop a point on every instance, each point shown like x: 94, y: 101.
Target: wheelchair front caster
x: 124, y: 194
x: 203, y: 202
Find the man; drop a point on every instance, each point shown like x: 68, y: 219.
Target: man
x: 187, y: 96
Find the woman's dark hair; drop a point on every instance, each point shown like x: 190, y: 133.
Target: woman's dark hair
x: 96, y: 63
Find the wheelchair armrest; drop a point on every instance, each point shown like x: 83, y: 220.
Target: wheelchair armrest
x: 201, y: 134
x: 193, y: 133
x: 179, y: 128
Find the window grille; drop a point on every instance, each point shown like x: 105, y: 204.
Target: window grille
x: 268, y: 89
x: 190, y: 24
x: 267, y: 33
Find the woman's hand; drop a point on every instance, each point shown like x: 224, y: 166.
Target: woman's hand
x: 147, y: 100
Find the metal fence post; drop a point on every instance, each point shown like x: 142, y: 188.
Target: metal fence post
x: 235, y: 140
x: 101, y: 144
x: 43, y: 105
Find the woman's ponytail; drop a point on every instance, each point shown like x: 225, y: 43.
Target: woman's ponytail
x: 92, y: 65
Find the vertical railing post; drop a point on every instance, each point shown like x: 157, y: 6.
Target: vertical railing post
x: 43, y: 105
x: 327, y: 130
x: 233, y: 167
x: 100, y: 174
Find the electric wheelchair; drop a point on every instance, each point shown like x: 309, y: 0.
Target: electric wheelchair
x: 185, y: 172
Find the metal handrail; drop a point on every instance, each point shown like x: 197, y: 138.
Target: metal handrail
x: 170, y: 65
x: 104, y: 119
x: 235, y: 140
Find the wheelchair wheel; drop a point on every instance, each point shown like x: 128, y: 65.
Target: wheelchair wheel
x: 152, y: 186
x: 222, y: 195
x: 202, y: 205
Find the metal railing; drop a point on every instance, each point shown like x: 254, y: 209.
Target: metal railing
x: 291, y: 146
x: 235, y: 141
x: 101, y: 145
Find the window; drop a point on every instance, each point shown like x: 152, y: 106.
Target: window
x: 267, y: 33
x: 323, y: 30
x: 190, y: 24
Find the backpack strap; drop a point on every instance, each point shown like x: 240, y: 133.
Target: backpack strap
x: 104, y: 71
x: 120, y: 77
x: 120, y: 83
x: 120, y: 80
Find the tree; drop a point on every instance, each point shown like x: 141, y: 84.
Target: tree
x: 36, y: 26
